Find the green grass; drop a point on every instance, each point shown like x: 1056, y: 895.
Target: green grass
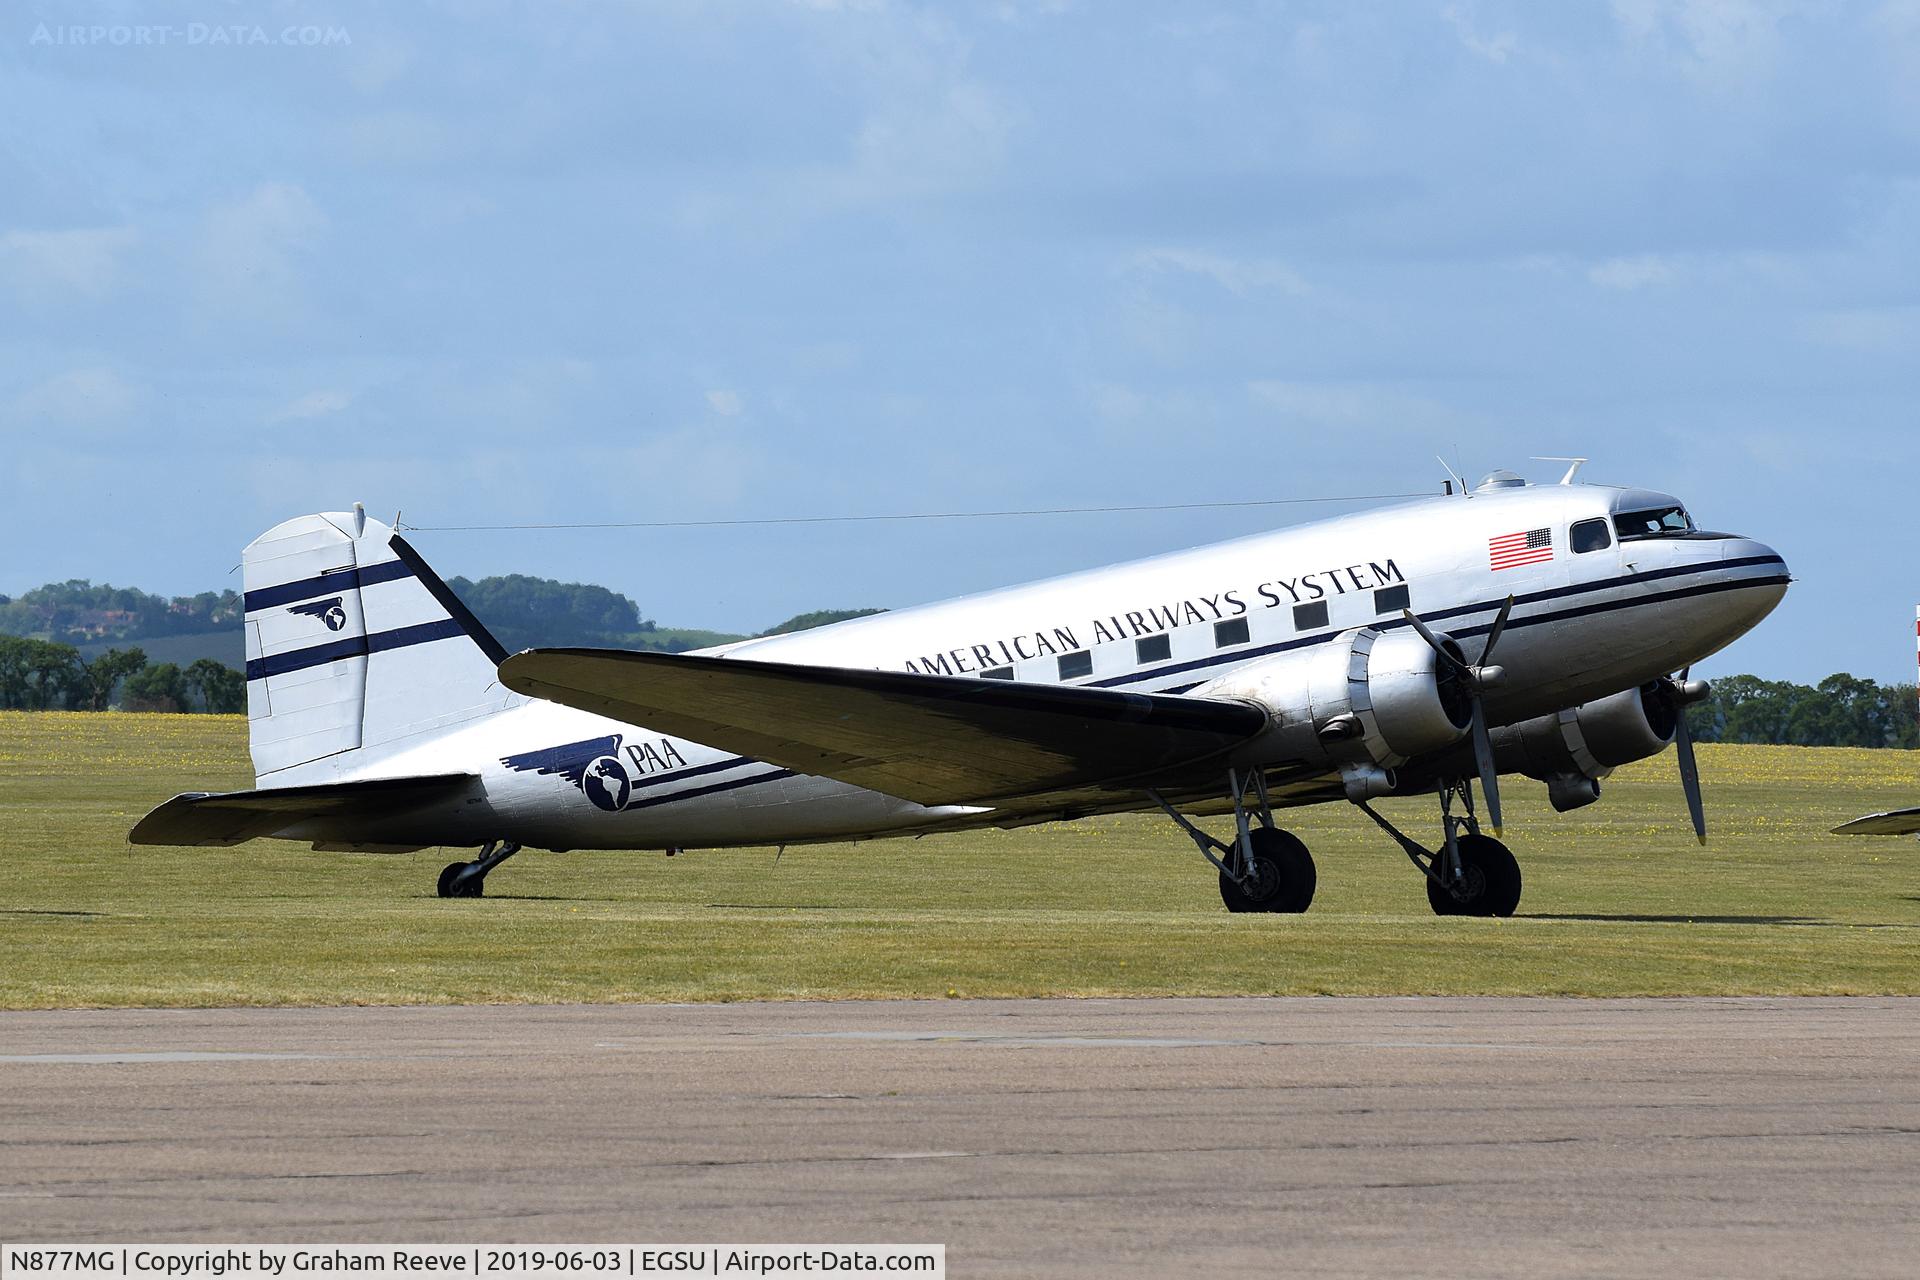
x: 1619, y: 900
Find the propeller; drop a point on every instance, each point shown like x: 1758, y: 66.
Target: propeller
x: 1686, y: 693
x: 1477, y: 677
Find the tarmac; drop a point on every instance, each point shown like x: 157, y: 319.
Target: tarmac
x: 1331, y: 1137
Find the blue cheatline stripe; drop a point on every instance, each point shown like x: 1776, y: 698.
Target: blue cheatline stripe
x: 1238, y: 656
x: 281, y: 664
x: 327, y: 584
x: 695, y: 771
x: 649, y: 801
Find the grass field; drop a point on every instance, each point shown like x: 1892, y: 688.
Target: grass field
x: 1619, y: 900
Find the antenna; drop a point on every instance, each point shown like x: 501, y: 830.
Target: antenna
x: 1455, y: 476
x: 359, y: 519
x: 1572, y: 470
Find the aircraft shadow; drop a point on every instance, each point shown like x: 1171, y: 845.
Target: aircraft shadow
x: 534, y: 897
x: 1628, y: 918
x: 35, y: 911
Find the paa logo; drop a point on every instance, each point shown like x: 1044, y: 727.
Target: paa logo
x: 330, y: 612
x: 591, y: 766
x: 606, y: 784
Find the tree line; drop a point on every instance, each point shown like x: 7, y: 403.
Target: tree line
x: 46, y: 675
x: 1840, y: 711
x: 77, y: 611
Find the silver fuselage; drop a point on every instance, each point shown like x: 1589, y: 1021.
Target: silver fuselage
x: 1584, y: 625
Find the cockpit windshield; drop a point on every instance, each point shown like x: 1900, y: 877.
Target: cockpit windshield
x: 1661, y: 522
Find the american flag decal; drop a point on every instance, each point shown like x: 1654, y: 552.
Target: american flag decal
x: 1511, y: 550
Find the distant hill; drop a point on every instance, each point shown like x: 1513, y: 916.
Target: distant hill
x: 523, y: 612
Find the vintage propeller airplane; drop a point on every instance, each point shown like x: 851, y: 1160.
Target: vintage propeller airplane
x: 1348, y: 659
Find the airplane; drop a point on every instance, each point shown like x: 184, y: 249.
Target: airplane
x: 1899, y: 822
x: 1344, y: 660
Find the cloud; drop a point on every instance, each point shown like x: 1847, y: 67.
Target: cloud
x: 314, y: 404
x: 1720, y: 41
x: 1381, y: 409
x: 82, y: 261
x: 725, y: 403
x: 84, y: 397
x: 1868, y: 329
x: 250, y: 248
x: 1634, y: 272
x: 1240, y: 276
x: 1496, y: 48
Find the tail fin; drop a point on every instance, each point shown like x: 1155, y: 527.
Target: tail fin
x: 354, y: 648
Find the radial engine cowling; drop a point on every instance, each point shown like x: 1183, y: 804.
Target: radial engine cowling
x: 1572, y: 750
x: 1366, y: 703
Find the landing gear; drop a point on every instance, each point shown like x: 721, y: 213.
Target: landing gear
x: 469, y: 879
x: 1488, y: 884
x: 1265, y: 869
x: 1472, y: 874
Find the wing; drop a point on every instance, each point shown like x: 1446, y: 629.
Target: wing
x: 1901, y: 822
x: 233, y: 817
x: 931, y: 739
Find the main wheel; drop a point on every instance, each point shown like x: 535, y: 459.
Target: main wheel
x: 447, y: 874
x: 1489, y: 881
x: 1283, y: 876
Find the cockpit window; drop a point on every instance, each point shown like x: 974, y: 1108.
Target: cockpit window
x: 1662, y: 522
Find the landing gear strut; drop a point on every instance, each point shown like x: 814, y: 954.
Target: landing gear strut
x: 469, y: 879
x: 1265, y: 868
x: 1472, y: 874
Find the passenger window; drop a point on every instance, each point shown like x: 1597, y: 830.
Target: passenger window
x: 1590, y: 535
x: 1392, y: 600
x: 1077, y: 664
x: 997, y: 673
x: 1229, y: 633
x: 1152, y: 649
x: 1308, y: 616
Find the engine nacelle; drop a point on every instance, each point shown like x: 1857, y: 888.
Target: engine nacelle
x: 1572, y: 750
x: 1366, y: 703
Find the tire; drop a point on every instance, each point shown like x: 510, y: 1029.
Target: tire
x: 447, y: 874
x: 1491, y: 878
x: 1284, y: 876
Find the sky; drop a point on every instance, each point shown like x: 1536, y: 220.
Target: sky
x: 493, y: 263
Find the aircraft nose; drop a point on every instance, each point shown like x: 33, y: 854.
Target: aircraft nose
x: 1753, y: 561
x: 1743, y: 552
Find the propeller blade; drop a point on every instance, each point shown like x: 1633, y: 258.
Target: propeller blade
x: 1499, y: 629
x: 1690, y: 773
x: 1433, y: 642
x: 1413, y: 619
x: 1483, y: 756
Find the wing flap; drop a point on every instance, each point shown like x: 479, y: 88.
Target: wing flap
x: 233, y: 817
x: 935, y: 740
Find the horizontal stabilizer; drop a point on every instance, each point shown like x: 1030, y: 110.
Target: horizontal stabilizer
x: 931, y: 739
x: 232, y: 817
x: 1901, y: 822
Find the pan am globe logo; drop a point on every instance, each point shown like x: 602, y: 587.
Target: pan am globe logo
x: 332, y: 612
x: 605, y: 782
x: 594, y: 766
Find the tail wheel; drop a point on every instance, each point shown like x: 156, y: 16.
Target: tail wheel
x: 1282, y: 880
x: 1489, y: 881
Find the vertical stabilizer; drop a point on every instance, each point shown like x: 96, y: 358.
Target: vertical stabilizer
x: 355, y: 649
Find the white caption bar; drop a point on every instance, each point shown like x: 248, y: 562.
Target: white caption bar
x: 466, y: 1262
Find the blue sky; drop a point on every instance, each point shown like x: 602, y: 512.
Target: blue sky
x: 501, y: 263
